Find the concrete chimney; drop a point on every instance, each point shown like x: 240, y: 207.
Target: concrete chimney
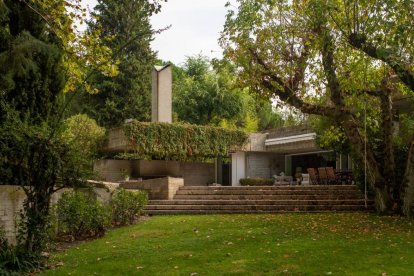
x: 161, y: 94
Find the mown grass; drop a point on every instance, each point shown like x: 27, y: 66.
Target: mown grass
x: 292, y: 244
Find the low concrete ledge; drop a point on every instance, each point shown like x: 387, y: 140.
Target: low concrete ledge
x: 157, y: 188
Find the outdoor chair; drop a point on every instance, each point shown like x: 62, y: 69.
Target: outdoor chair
x: 323, y: 177
x: 332, y: 177
x: 313, y: 176
x: 305, y: 179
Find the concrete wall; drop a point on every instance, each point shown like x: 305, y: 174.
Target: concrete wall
x: 193, y: 173
x: 264, y: 165
x: 157, y: 188
x: 161, y: 94
x: 112, y: 170
x: 255, y: 165
x: 256, y: 142
x: 11, y: 202
x: 197, y: 174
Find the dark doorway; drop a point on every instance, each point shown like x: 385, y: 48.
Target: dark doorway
x: 300, y: 163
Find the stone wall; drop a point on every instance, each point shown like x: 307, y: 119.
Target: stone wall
x: 264, y: 165
x: 11, y: 202
x: 112, y: 170
x: 193, y: 173
x: 157, y: 188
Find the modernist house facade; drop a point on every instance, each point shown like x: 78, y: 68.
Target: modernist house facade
x: 287, y: 150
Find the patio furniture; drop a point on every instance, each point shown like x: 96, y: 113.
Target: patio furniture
x: 323, y: 177
x: 313, y: 176
x: 333, y: 178
x: 305, y: 179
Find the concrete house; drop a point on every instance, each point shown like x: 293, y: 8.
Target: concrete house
x: 289, y: 150
x: 286, y: 150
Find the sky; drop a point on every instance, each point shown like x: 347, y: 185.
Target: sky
x: 195, y: 28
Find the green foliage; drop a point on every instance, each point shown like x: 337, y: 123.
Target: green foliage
x: 41, y: 56
x: 208, y: 92
x: 329, y: 134
x: 333, y: 59
x: 269, y: 118
x: 15, y: 260
x: 256, y: 182
x: 127, y: 205
x: 80, y: 215
x: 84, y: 134
x: 164, y: 141
x: 126, y: 30
x: 203, y: 95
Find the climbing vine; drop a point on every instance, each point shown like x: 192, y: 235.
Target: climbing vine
x: 165, y: 141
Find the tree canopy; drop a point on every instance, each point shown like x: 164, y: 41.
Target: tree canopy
x: 305, y: 53
x: 207, y: 93
x: 124, y: 28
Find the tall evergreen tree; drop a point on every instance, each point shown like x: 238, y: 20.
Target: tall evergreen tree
x: 127, y: 31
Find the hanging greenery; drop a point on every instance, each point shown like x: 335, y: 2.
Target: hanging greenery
x: 165, y: 141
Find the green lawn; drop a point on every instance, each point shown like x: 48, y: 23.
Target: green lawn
x: 292, y: 244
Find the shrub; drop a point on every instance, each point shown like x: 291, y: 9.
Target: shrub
x: 14, y: 260
x: 127, y: 206
x: 256, y: 182
x: 80, y: 215
x: 85, y: 137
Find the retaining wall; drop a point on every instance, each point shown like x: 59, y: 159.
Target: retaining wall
x: 11, y: 202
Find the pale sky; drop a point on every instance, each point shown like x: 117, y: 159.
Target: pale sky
x: 195, y: 28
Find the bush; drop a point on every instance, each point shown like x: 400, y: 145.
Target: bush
x: 127, y: 206
x: 85, y: 137
x: 14, y: 260
x: 80, y: 215
x: 256, y: 182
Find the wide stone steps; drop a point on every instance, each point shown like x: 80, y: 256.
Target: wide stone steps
x: 267, y: 188
x: 264, y: 199
x: 162, y: 203
x: 257, y: 209
x: 267, y: 197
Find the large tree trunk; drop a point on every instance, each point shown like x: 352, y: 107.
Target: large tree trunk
x: 35, y: 216
x: 383, y: 200
x: 408, y: 200
x: 388, y: 162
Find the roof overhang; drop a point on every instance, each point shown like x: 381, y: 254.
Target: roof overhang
x: 291, y: 139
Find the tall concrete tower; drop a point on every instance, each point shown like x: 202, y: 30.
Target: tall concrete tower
x: 161, y: 94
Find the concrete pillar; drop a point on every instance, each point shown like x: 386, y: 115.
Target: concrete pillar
x: 238, y: 167
x: 161, y: 94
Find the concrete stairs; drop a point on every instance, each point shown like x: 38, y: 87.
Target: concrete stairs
x: 261, y: 199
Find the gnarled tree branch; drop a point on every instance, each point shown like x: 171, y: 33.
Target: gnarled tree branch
x: 361, y: 42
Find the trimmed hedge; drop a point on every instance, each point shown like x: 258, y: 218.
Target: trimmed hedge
x: 256, y: 182
x: 165, y: 141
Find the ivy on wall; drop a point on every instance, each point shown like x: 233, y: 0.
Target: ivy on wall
x: 165, y: 141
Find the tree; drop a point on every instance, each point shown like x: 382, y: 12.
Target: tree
x: 202, y: 95
x: 296, y: 52
x: 41, y: 57
x: 209, y: 92
x: 125, y: 25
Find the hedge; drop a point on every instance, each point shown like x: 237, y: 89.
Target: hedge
x: 256, y: 182
x: 166, y: 141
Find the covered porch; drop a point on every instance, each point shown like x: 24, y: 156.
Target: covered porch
x: 286, y: 151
